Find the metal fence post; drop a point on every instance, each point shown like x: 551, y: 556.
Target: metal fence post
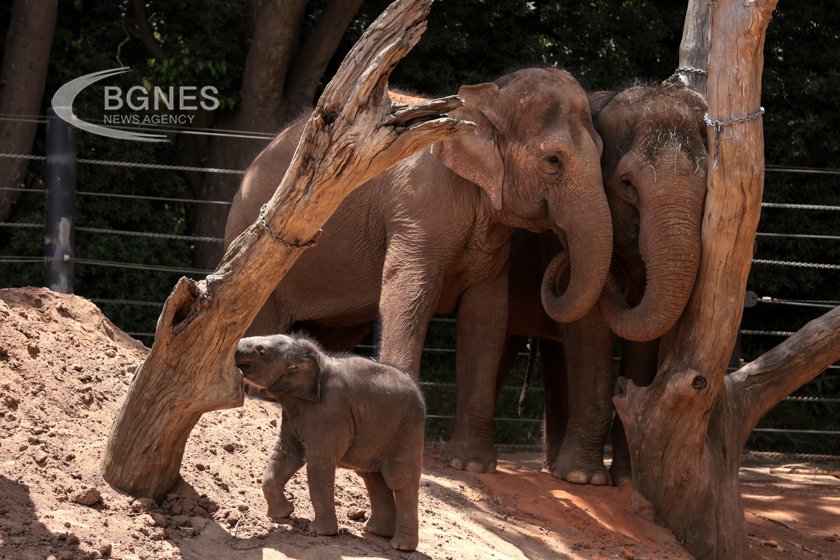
x: 60, y: 230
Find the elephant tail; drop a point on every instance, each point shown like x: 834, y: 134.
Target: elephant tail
x: 533, y: 349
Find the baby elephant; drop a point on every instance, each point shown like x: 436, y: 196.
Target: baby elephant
x: 344, y: 411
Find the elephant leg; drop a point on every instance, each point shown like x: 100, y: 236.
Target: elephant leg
x: 406, y: 536
x: 555, y: 380
x: 403, y: 478
x: 513, y: 345
x: 285, y: 461
x: 588, y: 348
x: 321, y: 477
x: 481, y: 330
x: 638, y: 363
x: 409, y: 295
x: 383, y: 508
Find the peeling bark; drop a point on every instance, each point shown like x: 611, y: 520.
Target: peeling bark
x: 190, y: 368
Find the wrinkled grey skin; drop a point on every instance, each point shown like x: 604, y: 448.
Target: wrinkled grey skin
x: 343, y: 411
x: 654, y: 169
x: 432, y: 233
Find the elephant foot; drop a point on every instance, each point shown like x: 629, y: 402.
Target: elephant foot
x: 324, y: 527
x: 404, y: 541
x: 470, y: 457
x: 579, y: 470
x: 620, y: 473
x: 280, y: 510
x: 379, y: 525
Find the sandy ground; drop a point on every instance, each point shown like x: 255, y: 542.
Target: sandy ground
x: 64, y: 370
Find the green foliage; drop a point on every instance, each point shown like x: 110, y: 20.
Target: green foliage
x: 604, y: 44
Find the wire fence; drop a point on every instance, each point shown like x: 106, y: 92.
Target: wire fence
x: 443, y: 351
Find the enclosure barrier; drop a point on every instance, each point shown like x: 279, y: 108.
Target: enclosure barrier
x: 67, y: 260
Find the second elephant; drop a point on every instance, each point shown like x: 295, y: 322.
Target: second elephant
x: 433, y: 231
x: 654, y: 169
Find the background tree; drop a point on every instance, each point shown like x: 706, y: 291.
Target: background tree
x: 26, y: 55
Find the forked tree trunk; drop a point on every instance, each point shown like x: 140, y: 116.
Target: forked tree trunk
x: 686, y: 430
x: 694, y: 47
x: 353, y: 134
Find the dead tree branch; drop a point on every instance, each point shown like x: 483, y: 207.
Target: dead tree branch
x: 351, y: 136
x: 763, y: 383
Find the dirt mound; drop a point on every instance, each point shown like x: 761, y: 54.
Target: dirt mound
x: 64, y: 370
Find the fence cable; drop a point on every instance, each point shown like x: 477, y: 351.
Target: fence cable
x: 150, y: 234
x: 127, y: 196
x: 155, y: 268
x: 791, y: 206
x: 108, y: 301
x: 799, y: 236
x: 822, y: 305
x: 104, y: 231
x: 754, y: 332
x: 133, y: 164
x: 796, y: 264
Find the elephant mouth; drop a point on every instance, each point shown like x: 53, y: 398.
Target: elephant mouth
x: 244, y: 367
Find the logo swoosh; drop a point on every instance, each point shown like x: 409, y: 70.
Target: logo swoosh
x: 62, y: 104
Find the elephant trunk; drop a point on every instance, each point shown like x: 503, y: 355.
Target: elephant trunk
x: 669, y: 242
x: 588, y: 227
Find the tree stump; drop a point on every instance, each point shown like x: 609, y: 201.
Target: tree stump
x: 687, y: 429
x: 353, y: 134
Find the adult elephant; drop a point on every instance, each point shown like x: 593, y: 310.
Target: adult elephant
x: 654, y: 169
x: 432, y: 233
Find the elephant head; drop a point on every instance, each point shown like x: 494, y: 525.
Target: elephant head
x: 654, y: 167
x: 280, y: 366
x: 536, y: 157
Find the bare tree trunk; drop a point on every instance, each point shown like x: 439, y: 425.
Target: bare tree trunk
x: 694, y: 47
x: 261, y: 110
x: 279, y: 81
x: 190, y: 368
x: 26, y: 58
x: 684, y: 450
x: 316, y: 52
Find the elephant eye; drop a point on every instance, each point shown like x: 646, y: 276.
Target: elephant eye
x: 627, y: 190
x: 261, y: 351
x: 551, y: 164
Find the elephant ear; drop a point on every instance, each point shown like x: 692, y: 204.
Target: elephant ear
x: 300, y: 374
x: 476, y: 157
x: 598, y: 100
